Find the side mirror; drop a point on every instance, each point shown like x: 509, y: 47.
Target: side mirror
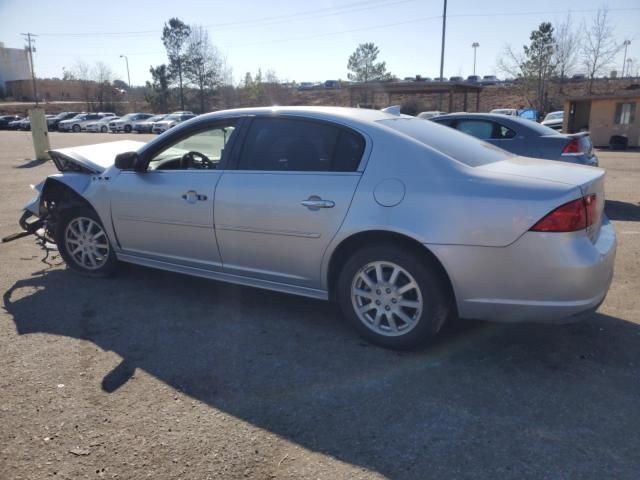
x: 127, y: 160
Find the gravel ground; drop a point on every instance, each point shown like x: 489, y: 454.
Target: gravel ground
x: 158, y: 375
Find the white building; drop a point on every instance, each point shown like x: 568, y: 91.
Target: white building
x: 14, y: 65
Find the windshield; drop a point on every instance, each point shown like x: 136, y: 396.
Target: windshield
x: 172, y: 117
x: 455, y: 144
x: 554, y: 116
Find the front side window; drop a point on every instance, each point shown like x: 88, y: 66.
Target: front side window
x: 199, y: 151
x: 625, y: 113
x: 282, y: 144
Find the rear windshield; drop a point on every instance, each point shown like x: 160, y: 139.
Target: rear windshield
x: 455, y: 144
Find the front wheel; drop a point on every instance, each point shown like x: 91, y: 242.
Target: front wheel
x: 394, y: 298
x: 127, y: 129
x: 84, y: 244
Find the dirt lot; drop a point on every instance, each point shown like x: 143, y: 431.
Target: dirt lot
x: 157, y: 375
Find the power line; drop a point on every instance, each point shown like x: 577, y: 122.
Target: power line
x: 325, y: 12
x: 258, y: 22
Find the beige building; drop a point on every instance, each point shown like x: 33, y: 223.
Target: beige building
x: 14, y: 65
x: 605, y: 116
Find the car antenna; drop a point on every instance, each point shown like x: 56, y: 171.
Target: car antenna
x: 393, y: 110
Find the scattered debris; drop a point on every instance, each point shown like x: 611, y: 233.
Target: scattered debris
x: 80, y: 451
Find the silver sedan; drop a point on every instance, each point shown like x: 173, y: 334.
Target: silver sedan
x: 405, y: 223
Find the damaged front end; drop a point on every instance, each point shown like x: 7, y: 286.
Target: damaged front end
x: 42, y: 211
x: 78, y: 167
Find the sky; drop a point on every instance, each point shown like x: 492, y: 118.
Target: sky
x: 299, y: 41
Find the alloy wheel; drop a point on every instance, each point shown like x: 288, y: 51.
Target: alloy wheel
x: 386, y: 298
x: 87, y: 243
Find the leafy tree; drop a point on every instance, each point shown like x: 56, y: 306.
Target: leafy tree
x: 203, y: 63
x: 539, y: 62
x: 534, y: 66
x: 599, y: 48
x: 175, y: 37
x: 362, y: 64
x: 157, y: 93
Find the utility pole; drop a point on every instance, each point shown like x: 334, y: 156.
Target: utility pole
x: 626, y: 44
x: 475, y: 46
x: 444, y: 27
x: 33, y: 75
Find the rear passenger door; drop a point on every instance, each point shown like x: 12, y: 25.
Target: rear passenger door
x: 277, y: 210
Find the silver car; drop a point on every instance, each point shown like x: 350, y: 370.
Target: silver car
x: 405, y: 223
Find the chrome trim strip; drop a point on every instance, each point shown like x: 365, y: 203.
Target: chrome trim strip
x: 287, y: 233
x: 163, y: 222
x: 225, y: 277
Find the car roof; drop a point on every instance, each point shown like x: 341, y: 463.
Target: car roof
x: 345, y: 114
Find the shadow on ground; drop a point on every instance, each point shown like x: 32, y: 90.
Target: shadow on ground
x: 625, y: 211
x: 535, y: 401
x: 31, y: 163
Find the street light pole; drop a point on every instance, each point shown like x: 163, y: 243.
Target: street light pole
x: 475, y: 46
x: 626, y: 43
x: 126, y: 59
x: 444, y: 28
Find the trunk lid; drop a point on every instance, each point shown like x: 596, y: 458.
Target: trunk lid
x: 91, y: 158
x: 589, y: 180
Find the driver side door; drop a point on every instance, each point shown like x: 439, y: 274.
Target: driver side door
x: 165, y: 213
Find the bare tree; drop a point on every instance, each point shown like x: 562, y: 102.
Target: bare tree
x: 103, y: 75
x: 567, y: 50
x: 203, y: 64
x: 599, y: 47
x: 82, y: 73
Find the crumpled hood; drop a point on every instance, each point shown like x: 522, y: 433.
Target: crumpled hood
x: 92, y: 158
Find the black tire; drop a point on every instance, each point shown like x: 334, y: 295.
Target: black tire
x: 103, y: 129
x: 436, y: 301
x: 76, y: 128
x: 107, y: 266
x: 127, y: 129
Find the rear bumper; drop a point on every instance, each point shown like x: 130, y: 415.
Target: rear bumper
x: 542, y: 277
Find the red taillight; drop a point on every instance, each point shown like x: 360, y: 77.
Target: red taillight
x: 570, y: 217
x: 574, y: 147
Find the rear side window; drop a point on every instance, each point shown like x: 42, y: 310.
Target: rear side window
x: 281, y: 144
x: 477, y: 128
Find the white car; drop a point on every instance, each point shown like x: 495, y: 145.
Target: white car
x: 171, y: 121
x: 125, y: 123
x: 554, y: 120
x: 79, y: 122
x: 430, y: 114
x: 101, y: 126
x: 505, y: 111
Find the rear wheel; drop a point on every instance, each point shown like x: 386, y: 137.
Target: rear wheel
x: 84, y: 244
x: 127, y: 129
x: 76, y: 128
x: 394, y: 298
x: 104, y: 129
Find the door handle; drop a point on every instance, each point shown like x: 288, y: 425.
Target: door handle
x: 192, y: 196
x: 316, y: 203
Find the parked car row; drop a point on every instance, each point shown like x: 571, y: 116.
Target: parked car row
x: 101, y: 122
